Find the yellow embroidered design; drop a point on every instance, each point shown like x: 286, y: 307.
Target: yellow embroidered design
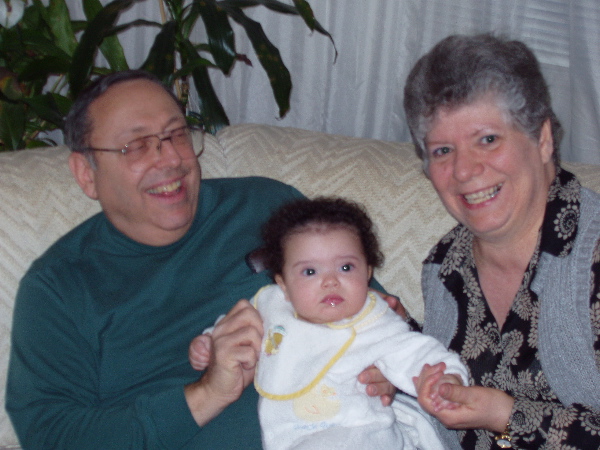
x: 273, y: 340
x: 321, y: 403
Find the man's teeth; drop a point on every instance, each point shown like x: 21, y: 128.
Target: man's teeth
x: 482, y: 196
x: 166, y: 188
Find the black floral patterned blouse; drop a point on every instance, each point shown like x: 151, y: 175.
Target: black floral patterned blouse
x: 507, y: 358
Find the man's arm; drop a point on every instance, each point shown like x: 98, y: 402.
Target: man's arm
x: 54, y: 390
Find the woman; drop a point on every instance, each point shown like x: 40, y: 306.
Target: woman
x: 514, y: 288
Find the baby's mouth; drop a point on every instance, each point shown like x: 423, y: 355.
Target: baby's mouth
x: 482, y: 196
x: 332, y: 300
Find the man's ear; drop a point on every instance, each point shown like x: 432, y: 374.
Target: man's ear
x: 281, y: 284
x: 370, y: 272
x: 84, y: 174
x: 546, y: 142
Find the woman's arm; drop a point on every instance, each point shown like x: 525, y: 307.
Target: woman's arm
x: 533, y: 423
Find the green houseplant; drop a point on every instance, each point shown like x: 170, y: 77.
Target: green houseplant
x: 46, y: 57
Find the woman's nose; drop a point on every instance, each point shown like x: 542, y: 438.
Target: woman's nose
x: 466, y: 165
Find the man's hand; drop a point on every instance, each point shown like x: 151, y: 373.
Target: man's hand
x: 377, y: 385
x: 473, y: 407
x: 235, y: 350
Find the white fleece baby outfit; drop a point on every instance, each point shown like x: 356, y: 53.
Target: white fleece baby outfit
x: 307, y: 378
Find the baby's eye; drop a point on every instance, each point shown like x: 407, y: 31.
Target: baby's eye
x: 347, y: 267
x: 489, y: 139
x: 440, y: 151
x: 309, y: 272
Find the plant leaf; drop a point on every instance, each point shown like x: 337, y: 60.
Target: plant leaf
x: 270, y: 59
x: 220, y: 34
x: 50, y: 107
x: 188, y: 22
x: 311, y: 22
x: 41, y: 69
x: 175, y: 8
x: 212, y: 114
x: 34, y: 44
x: 59, y: 22
x: 161, y: 57
x: 111, y: 46
x: 79, y: 25
x: 91, y: 39
x: 302, y: 8
x: 276, y: 6
x: 12, y: 125
x: 188, y: 68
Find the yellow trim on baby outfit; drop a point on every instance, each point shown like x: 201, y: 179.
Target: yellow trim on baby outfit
x: 364, y: 313
x: 314, y: 382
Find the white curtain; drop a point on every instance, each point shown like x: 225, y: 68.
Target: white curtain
x: 378, y: 42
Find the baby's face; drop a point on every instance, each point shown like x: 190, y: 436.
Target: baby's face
x: 325, y: 274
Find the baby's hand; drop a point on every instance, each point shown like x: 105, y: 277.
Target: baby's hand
x: 428, y: 385
x: 438, y: 402
x: 200, y: 351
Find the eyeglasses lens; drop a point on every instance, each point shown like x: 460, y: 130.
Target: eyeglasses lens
x: 141, y: 151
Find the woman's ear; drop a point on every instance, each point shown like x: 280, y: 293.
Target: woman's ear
x: 281, y: 283
x: 84, y: 174
x: 546, y: 142
x: 370, y: 272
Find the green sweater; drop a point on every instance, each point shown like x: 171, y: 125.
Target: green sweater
x: 102, y: 326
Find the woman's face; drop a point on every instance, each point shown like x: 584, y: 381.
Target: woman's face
x: 491, y: 176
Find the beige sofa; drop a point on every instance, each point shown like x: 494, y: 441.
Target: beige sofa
x: 40, y: 202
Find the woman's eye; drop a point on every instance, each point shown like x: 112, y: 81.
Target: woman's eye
x: 489, y: 139
x: 347, y: 267
x: 309, y: 272
x: 440, y: 151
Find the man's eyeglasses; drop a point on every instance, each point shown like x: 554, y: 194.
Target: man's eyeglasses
x: 141, y: 151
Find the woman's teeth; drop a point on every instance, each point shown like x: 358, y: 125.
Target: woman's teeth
x: 166, y: 188
x: 482, y: 196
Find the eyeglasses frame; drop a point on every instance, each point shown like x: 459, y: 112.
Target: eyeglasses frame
x: 168, y: 137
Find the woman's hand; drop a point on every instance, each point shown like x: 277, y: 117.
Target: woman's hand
x: 393, y: 302
x: 428, y: 384
x: 474, y: 407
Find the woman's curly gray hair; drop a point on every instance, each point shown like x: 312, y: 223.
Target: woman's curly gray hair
x: 461, y: 69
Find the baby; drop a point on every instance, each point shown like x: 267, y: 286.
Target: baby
x: 323, y: 326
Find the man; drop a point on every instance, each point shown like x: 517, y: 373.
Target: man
x: 103, y: 319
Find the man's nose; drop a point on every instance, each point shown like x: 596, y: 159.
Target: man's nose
x: 166, y: 151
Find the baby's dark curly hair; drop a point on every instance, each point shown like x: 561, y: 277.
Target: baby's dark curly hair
x: 322, y: 213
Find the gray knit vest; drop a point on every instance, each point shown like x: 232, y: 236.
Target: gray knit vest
x: 565, y: 339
